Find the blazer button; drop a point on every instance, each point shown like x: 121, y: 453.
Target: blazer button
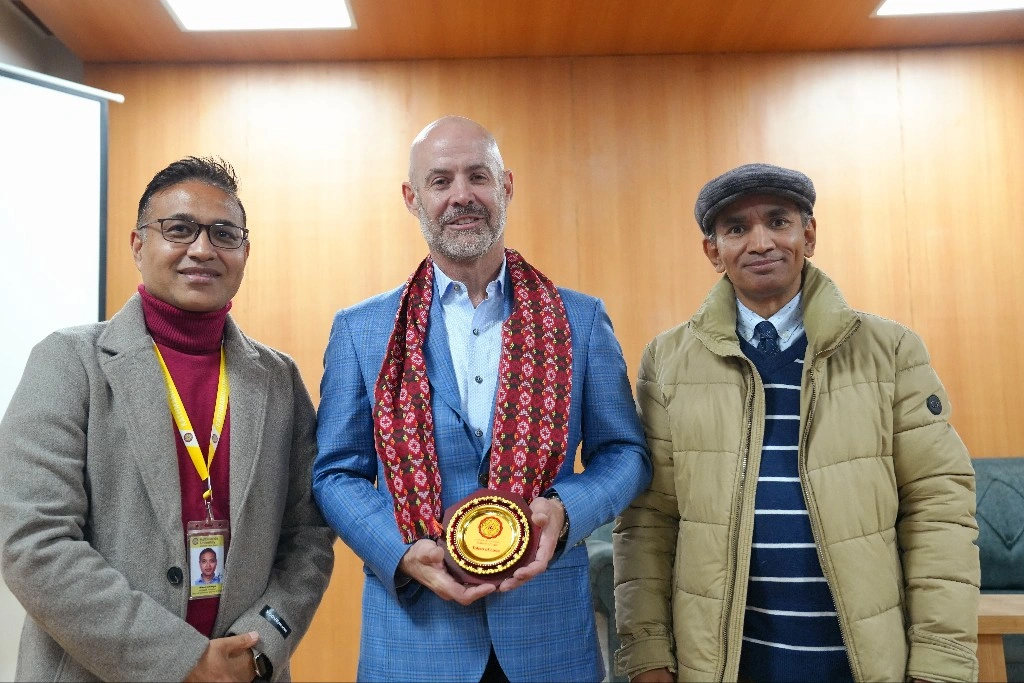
x: 174, y: 576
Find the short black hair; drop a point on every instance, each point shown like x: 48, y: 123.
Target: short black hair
x: 208, y: 550
x: 210, y: 170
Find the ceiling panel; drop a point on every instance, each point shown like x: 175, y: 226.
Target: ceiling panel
x: 143, y: 31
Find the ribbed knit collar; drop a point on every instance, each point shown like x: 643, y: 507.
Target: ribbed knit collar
x: 184, y: 331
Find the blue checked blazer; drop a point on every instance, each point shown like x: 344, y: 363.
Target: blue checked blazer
x: 542, y: 631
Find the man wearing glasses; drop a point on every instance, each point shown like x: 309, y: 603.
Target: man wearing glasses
x: 133, y: 445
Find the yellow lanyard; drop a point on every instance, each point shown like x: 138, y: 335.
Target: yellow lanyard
x: 188, y: 435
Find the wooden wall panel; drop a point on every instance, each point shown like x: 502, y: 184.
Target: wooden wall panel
x: 683, y: 120
x: 918, y: 158
x: 964, y: 160
x: 640, y: 146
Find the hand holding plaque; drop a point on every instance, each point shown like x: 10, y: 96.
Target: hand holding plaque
x: 487, y: 536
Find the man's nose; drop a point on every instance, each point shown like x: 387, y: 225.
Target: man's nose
x: 462, y: 191
x: 760, y: 238
x: 202, y: 249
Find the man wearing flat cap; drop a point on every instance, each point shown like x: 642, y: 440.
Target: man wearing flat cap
x: 811, y: 514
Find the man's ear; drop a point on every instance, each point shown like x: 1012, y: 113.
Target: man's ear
x: 507, y: 185
x: 409, y: 195
x: 810, y: 236
x: 711, y: 251
x: 135, y: 241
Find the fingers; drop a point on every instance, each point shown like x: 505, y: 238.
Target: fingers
x: 522, y: 575
x: 226, y: 659
x: 447, y: 588
x: 466, y: 595
x: 424, y: 562
x: 547, y: 517
x: 421, y: 556
x: 548, y: 542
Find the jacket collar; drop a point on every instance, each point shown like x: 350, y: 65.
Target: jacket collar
x: 134, y: 374
x: 828, y: 319
x: 126, y: 331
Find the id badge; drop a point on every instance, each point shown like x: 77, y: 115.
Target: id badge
x: 207, y: 549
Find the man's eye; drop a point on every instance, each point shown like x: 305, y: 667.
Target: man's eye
x: 224, y: 232
x: 438, y: 182
x: 178, y: 228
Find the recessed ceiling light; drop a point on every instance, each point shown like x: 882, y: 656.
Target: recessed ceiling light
x: 259, y: 15
x: 891, y: 8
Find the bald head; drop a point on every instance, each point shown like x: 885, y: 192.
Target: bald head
x: 459, y: 188
x: 441, y: 134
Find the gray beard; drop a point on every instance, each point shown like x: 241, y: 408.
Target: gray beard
x: 462, y: 246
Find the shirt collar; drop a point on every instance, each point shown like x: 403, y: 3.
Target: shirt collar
x: 446, y: 286
x: 787, y: 320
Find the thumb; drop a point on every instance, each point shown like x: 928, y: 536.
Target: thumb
x: 242, y: 641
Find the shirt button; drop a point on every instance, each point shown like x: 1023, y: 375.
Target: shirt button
x: 479, y: 379
x: 458, y: 288
x: 476, y: 332
x: 479, y: 432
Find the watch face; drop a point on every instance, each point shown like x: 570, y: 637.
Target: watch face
x: 264, y: 670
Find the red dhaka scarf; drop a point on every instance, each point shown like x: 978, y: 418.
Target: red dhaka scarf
x: 531, y: 415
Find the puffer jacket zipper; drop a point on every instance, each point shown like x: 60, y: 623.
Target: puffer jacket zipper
x: 727, y: 605
x: 812, y: 511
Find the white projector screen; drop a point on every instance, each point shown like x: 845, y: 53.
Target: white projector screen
x: 52, y: 216
x: 53, y: 137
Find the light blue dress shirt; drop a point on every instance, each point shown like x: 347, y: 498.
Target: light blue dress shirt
x: 788, y: 321
x: 474, y: 341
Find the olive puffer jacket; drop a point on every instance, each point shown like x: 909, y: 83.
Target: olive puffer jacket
x: 888, y: 485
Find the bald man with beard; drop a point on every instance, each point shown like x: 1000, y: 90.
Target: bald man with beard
x: 473, y: 335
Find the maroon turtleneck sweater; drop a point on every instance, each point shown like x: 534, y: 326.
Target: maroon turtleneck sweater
x: 190, y: 345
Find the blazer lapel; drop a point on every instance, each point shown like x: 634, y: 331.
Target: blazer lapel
x: 134, y: 374
x: 440, y: 369
x: 249, y: 382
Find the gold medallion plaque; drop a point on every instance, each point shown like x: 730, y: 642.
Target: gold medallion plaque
x: 487, y: 535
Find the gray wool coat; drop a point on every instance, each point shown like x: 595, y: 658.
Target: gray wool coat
x: 90, y: 507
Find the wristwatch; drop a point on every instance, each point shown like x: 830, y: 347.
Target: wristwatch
x: 264, y: 669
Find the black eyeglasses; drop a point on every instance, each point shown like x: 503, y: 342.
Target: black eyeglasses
x: 183, y: 231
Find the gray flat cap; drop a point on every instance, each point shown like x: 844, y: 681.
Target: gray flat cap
x: 751, y: 179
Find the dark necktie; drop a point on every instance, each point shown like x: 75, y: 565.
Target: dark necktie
x: 769, y: 338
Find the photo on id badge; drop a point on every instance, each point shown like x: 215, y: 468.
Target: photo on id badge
x: 207, y: 565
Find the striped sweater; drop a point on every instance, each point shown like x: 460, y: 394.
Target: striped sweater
x: 790, y: 631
